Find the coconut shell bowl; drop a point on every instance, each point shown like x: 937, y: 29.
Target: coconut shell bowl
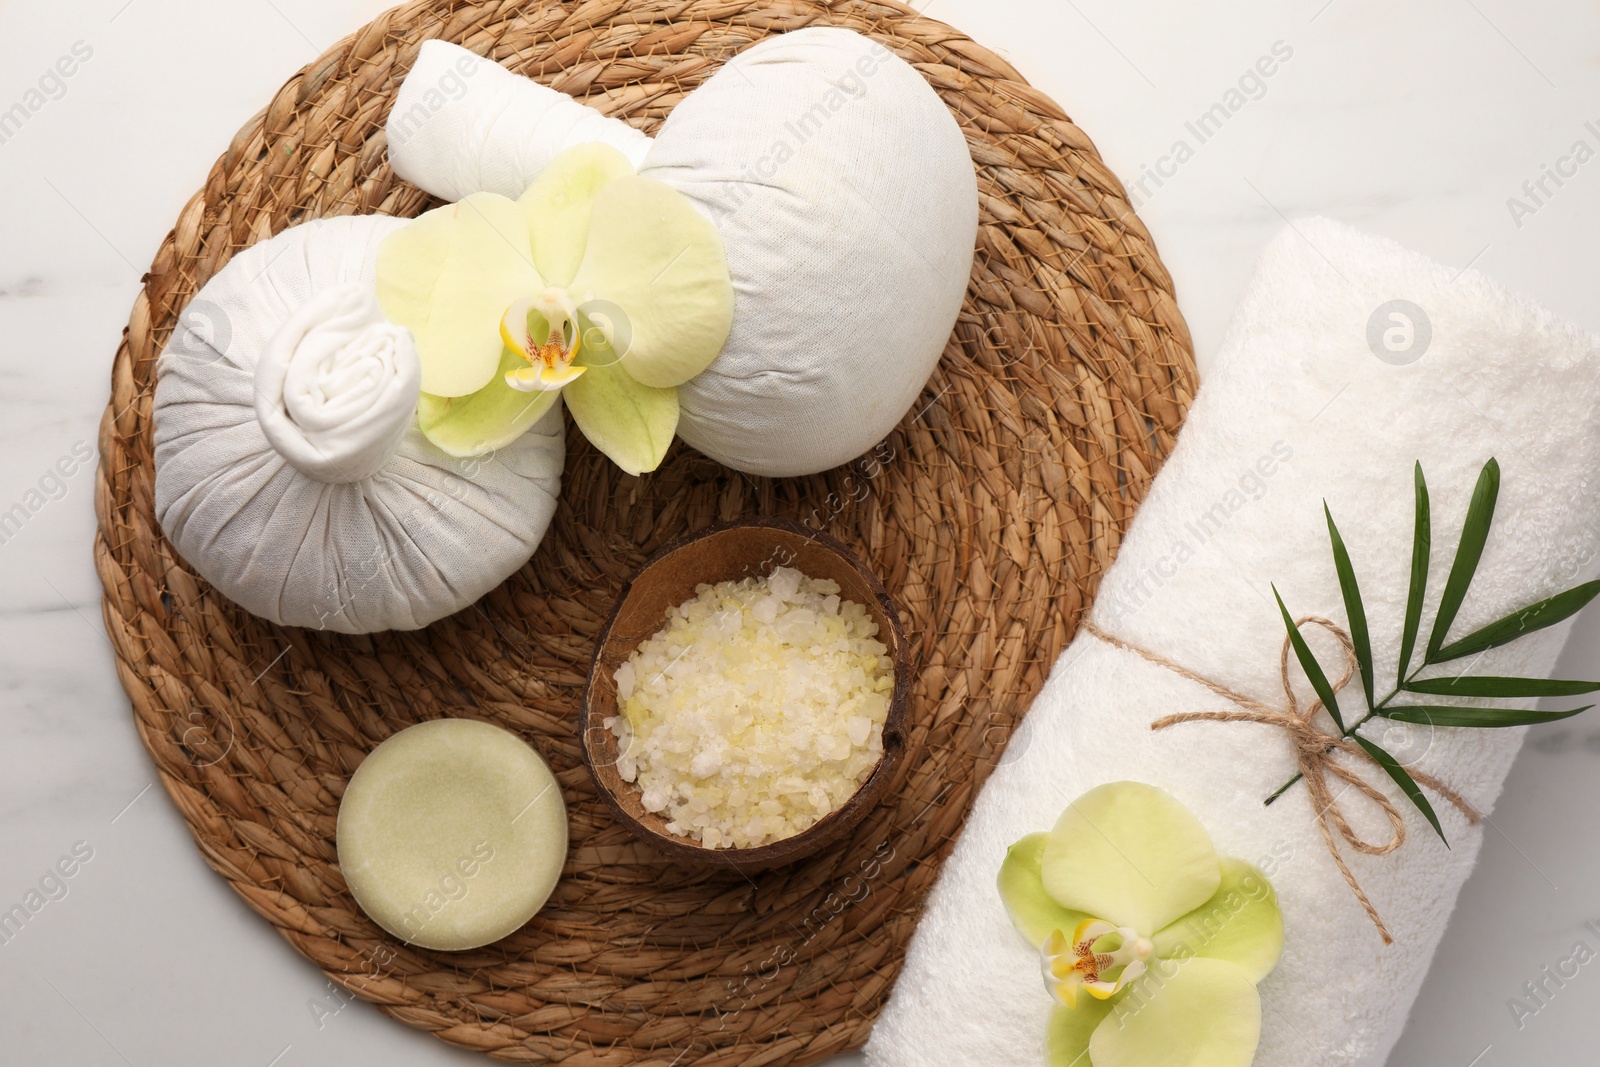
x: 729, y: 552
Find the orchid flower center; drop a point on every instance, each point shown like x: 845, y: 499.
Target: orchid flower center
x: 549, y: 357
x: 1099, y: 957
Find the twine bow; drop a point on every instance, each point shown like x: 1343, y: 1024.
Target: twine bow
x: 1315, y: 751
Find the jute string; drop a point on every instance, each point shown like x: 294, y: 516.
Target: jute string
x: 1315, y: 751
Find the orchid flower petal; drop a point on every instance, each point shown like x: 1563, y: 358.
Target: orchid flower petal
x: 486, y: 420
x: 1033, y: 912
x: 541, y: 379
x: 631, y: 423
x: 1132, y: 854
x: 651, y: 254
x: 1240, y: 923
x: 560, y: 203
x: 517, y: 326
x: 1066, y: 1040
x: 1188, y: 1013
x: 448, y: 276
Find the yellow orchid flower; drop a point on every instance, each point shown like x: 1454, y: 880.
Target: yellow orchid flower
x: 596, y: 285
x: 1168, y: 939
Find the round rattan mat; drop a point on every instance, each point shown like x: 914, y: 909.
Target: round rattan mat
x: 990, y: 514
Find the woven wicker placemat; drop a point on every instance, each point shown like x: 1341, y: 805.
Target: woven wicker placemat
x: 990, y: 514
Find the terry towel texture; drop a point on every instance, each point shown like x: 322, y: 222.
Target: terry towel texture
x: 1299, y: 409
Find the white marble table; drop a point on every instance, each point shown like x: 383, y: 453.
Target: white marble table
x: 1419, y: 121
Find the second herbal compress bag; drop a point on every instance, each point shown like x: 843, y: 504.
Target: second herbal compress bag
x: 290, y: 472
x: 844, y: 194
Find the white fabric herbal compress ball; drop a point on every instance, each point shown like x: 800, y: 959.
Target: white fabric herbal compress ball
x: 845, y: 196
x: 290, y: 472
x: 847, y: 200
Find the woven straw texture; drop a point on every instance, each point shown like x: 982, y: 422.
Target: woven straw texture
x: 990, y: 514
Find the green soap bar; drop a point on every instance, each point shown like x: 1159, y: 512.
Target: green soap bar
x: 452, y: 834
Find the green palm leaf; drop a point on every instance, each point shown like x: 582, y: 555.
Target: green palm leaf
x: 1353, y: 608
x: 1444, y: 715
x: 1407, y: 784
x: 1534, y: 617
x: 1487, y: 686
x: 1474, y: 533
x: 1421, y: 548
x: 1309, y: 664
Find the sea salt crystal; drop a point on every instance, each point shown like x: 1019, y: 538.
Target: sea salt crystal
x: 785, y: 582
x: 766, y: 609
x: 705, y: 764
x: 860, y: 728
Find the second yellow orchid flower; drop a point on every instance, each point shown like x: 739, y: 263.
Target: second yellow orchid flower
x: 1167, y: 938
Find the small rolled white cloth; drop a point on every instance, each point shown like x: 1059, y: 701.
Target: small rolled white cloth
x: 462, y: 124
x: 1320, y: 393
x: 846, y: 199
x: 290, y: 472
x: 337, y: 386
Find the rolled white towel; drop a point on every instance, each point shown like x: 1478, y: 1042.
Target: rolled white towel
x: 845, y: 196
x: 290, y: 471
x: 1302, y: 407
x: 462, y: 124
